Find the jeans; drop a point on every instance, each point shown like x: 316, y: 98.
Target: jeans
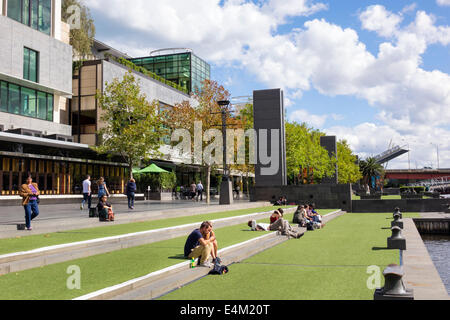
x: 31, y: 212
x: 200, y: 195
x: 130, y: 199
x: 87, y: 197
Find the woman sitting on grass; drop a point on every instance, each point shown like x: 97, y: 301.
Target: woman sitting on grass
x: 275, y: 216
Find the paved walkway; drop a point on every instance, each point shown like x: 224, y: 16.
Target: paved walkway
x: 420, y: 272
x: 55, y: 218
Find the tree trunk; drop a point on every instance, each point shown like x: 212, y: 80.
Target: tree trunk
x: 208, y: 184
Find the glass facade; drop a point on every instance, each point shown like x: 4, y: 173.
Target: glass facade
x: 185, y: 69
x: 36, y: 14
x: 30, y: 65
x: 25, y: 101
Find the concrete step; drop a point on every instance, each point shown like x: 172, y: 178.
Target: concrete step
x: 159, y: 283
x: 20, y: 261
x: 51, y: 220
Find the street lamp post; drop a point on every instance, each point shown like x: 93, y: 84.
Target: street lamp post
x: 437, y: 153
x: 226, y: 188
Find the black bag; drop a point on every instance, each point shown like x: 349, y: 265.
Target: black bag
x: 310, y: 226
x: 219, y: 269
x: 93, y: 213
x: 38, y: 200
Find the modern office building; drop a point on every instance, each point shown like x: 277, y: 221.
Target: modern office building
x: 183, y: 68
x: 35, y: 90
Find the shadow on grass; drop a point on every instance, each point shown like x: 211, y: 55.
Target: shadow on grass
x: 387, y: 228
x: 380, y: 248
x: 178, y: 257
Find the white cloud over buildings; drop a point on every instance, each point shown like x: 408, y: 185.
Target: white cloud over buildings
x: 318, y: 54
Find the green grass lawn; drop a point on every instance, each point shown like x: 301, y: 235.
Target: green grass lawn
x: 101, y: 271
x: 329, y: 264
x: 27, y: 243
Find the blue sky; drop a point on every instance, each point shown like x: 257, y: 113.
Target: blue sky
x: 372, y: 72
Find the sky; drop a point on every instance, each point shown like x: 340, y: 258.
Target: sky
x: 373, y: 73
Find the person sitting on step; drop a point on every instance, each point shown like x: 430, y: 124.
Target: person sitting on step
x: 200, y: 243
x: 105, y: 210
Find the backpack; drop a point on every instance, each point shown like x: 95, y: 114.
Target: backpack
x: 219, y: 269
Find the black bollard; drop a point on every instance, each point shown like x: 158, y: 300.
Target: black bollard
x: 397, y: 212
x: 394, y: 288
x: 396, y: 241
x: 398, y: 222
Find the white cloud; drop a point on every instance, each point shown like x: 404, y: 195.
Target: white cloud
x: 312, y: 120
x: 369, y: 139
x: 443, y: 2
x: 317, y: 54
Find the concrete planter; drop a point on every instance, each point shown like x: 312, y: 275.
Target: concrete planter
x: 160, y: 196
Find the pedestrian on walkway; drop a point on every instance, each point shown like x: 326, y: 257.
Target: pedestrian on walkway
x: 87, y: 192
x: 102, y: 189
x: 30, y: 195
x: 193, y: 190
x: 200, y: 191
x: 131, y: 192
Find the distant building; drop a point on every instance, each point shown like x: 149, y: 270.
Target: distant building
x: 183, y: 68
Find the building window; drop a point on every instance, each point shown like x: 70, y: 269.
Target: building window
x: 25, y: 101
x: 30, y: 65
x: 36, y: 14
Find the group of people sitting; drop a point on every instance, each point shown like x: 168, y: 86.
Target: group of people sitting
x: 277, y: 223
x: 202, y: 242
x: 307, y: 216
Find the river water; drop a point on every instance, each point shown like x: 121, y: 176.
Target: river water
x: 439, y: 249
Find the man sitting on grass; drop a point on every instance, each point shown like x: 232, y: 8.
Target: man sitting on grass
x: 202, y: 243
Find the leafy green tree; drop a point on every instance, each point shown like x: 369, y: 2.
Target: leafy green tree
x: 303, y: 150
x: 133, y: 127
x: 348, y: 169
x: 80, y: 39
x: 184, y: 116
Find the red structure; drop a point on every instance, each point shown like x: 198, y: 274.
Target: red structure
x: 412, y: 176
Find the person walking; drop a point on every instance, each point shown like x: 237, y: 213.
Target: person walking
x: 131, y: 192
x: 102, y: 189
x: 30, y: 195
x: 200, y: 191
x: 193, y: 191
x: 87, y: 192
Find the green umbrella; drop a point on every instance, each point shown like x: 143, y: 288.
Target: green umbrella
x: 153, y: 168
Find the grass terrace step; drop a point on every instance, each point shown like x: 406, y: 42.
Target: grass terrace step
x: 32, y: 242
x: 60, y: 253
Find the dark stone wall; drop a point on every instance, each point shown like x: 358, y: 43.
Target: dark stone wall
x: 407, y: 205
x: 325, y: 196
x: 330, y: 144
x: 268, y: 108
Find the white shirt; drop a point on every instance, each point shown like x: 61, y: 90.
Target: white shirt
x: 86, y: 186
x: 264, y: 226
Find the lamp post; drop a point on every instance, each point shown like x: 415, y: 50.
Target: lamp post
x: 437, y: 153
x: 226, y: 188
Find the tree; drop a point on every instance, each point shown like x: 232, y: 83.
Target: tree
x: 348, y: 169
x: 81, y: 39
x: 184, y: 116
x: 133, y: 128
x: 246, y: 119
x: 303, y: 150
x: 370, y: 168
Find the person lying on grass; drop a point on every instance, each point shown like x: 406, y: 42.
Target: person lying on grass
x: 280, y: 225
x: 202, y: 243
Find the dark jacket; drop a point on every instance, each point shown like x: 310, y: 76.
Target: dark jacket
x: 131, y: 187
